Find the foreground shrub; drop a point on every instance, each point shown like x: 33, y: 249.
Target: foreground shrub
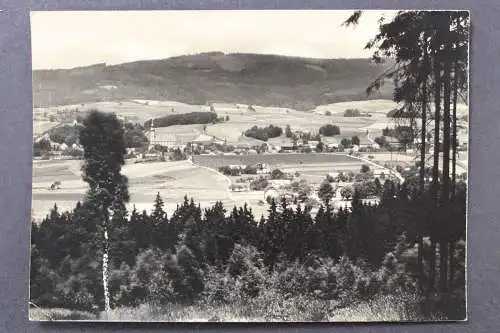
x: 160, y: 277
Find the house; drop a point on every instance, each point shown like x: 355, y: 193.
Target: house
x: 364, y: 141
x: 240, y: 187
x: 279, y: 182
x: 313, y: 144
x: 79, y: 147
x: 394, y: 142
x: 203, y: 140
x: 271, y: 192
x: 331, y: 142
x: 237, y: 166
x: 342, y: 204
x: 302, y: 134
x: 281, y: 143
x: 262, y: 168
x: 370, y: 201
x: 171, y: 140
x: 334, y: 175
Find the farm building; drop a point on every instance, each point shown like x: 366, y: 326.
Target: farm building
x: 237, y: 166
x: 240, y: 187
x: 271, y: 192
x: 334, y: 175
x: 332, y: 142
x: 394, y: 142
x: 370, y: 201
x: 279, y: 182
x: 204, y: 139
x: 344, y: 204
x: 313, y: 144
x: 281, y: 143
x: 364, y: 141
x: 171, y: 140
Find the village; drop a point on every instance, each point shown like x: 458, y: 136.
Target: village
x: 300, y: 166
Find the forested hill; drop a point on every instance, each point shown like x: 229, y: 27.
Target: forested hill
x: 267, y: 80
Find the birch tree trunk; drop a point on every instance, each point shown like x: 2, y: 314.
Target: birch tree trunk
x: 105, y: 271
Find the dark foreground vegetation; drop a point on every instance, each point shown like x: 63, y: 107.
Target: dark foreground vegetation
x: 206, y: 264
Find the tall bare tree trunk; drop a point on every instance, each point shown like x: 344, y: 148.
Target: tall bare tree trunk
x: 445, y: 197
x: 423, y: 138
x: 454, y: 172
x: 435, y: 167
x: 105, y: 268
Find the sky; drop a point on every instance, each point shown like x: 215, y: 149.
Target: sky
x: 81, y: 38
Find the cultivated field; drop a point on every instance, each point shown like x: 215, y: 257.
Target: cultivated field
x: 241, y: 119
x: 138, y: 110
x: 274, y: 160
x: 172, y: 179
x: 312, y: 167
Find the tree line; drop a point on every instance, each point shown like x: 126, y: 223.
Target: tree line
x: 184, y: 119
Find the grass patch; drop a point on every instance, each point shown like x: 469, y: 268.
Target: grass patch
x: 40, y: 314
x: 389, y: 308
x: 273, y: 308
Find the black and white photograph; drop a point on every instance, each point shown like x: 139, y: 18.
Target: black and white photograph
x: 249, y: 165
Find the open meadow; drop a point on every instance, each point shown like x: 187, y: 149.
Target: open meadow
x: 241, y: 119
x: 311, y: 167
x: 173, y: 180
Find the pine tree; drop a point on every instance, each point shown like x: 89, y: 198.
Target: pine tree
x: 164, y: 237
x: 192, y: 280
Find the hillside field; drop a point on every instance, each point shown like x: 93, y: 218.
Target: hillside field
x: 174, y: 180
x: 240, y: 118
